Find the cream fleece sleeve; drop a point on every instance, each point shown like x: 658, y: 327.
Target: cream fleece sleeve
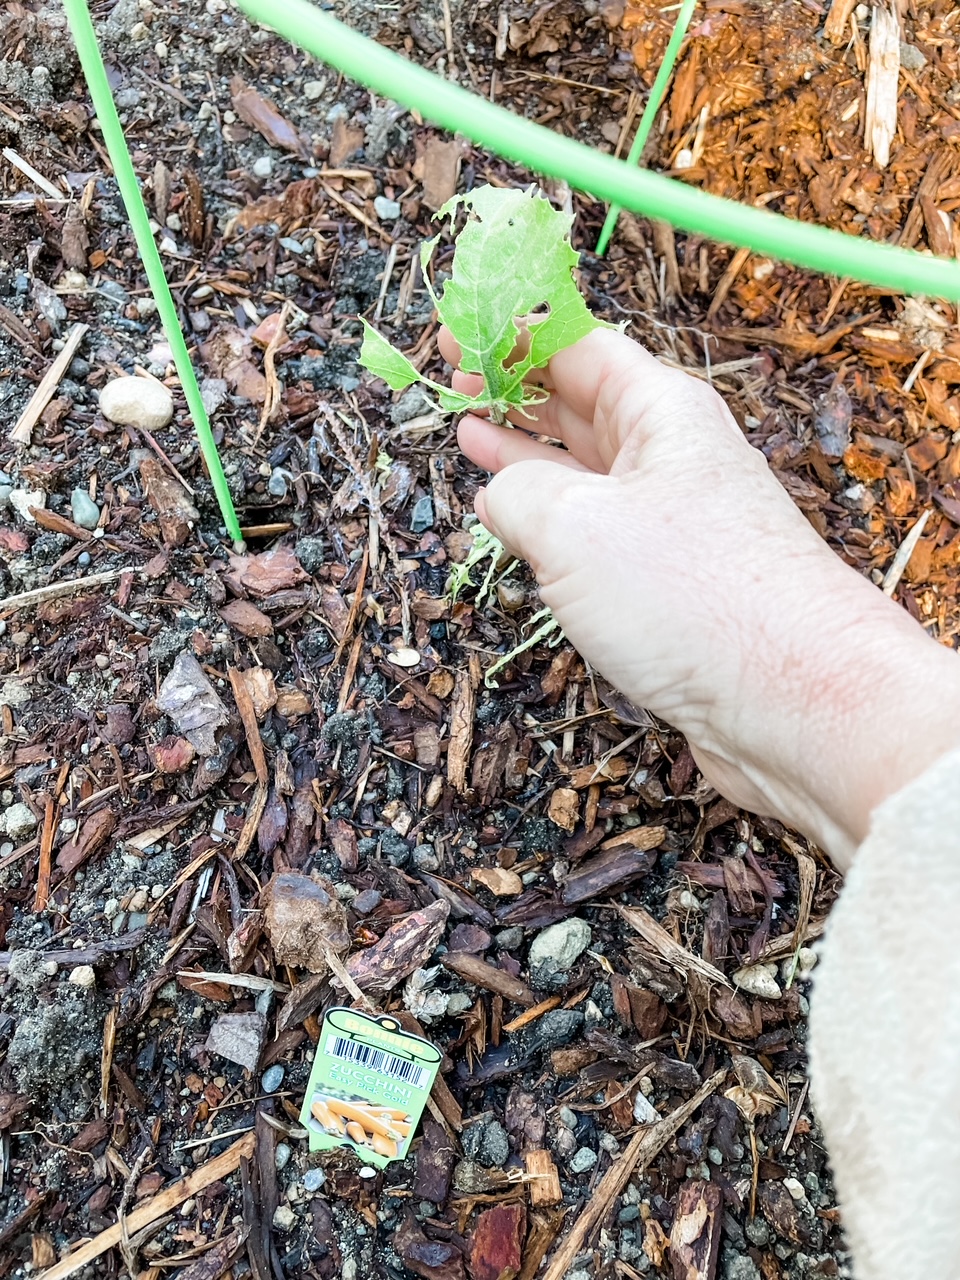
x: 885, y: 1036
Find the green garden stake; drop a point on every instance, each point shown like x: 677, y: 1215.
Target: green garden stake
x: 670, y: 56
x: 85, y: 39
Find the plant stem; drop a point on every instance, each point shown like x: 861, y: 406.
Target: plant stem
x: 88, y: 50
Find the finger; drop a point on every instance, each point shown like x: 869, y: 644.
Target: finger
x: 611, y: 381
x: 550, y: 418
x: 524, y: 505
x: 449, y: 347
x: 494, y: 448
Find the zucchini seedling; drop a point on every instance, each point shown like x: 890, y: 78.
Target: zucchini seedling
x: 511, y: 303
x: 512, y: 274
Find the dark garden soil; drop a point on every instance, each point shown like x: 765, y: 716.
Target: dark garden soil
x: 154, y: 1046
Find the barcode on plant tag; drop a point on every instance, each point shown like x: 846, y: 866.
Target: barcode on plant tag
x: 387, y: 1064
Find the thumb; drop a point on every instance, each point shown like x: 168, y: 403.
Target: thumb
x: 531, y: 507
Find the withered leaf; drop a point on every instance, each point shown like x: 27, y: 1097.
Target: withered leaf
x: 261, y: 114
x: 268, y: 572
x: 247, y: 619
x: 91, y: 835
x: 304, y: 919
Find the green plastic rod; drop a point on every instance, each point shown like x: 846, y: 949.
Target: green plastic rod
x: 540, y: 149
x: 85, y: 39
x: 670, y: 56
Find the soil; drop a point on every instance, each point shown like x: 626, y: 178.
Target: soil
x: 397, y: 782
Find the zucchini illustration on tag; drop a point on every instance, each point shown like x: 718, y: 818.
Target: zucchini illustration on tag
x: 368, y: 1087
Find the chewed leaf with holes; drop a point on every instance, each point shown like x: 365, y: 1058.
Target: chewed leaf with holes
x: 512, y: 270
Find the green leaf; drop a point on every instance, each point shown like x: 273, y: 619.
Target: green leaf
x: 513, y: 261
x: 512, y: 271
x: 384, y: 361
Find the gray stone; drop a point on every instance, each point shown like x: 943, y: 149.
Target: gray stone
x: 85, y: 511
x: 272, y: 1078
x: 386, y: 210
x: 284, y: 1219
x: 425, y: 859
x: 583, y: 1160
x: 555, y: 949
x: 509, y: 939
x: 311, y: 552
x: 262, y: 167
x: 912, y: 58
x: 313, y: 1180
x: 421, y: 518
x: 495, y: 1147
x: 281, y: 1157
x: 741, y: 1267
x: 757, y: 1232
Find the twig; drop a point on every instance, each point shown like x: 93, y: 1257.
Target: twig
x: 675, y: 955
x: 642, y: 1148
x: 46, y: 849
x: 906, y: 549
x: 358, y: 214
x: 213, y: 1171
x: 45, y: 185
x: 22, y: 432
x: 796, y: 1116
x: 40, y: 595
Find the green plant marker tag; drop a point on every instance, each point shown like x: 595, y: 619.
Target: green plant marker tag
x: 368, y: 1087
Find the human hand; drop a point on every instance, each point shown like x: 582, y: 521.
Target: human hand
x: 679, y: 567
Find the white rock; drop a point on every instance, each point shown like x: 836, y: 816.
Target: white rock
x: 23, y: 499
x: 83, y: 976
x: 796, y: 1188
x: 19, y: 821
x: 644, y: 1112
x: 313, y: 89
x: 140, y: 402
x: 758, y: 981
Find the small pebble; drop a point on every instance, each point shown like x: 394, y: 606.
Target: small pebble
x: 796, y: 1188
x: 758, y: 981
x: 139, y: 900
x: 262, y: 167
x: 314, y: 1179
x: 84, y: 510
x: 313, y: 89
x: 84, y: 560
x: 644, y: 1112
x: 284, y: 1219
x: 19, y: 821
x: 583, y: 1160
x: 139, y: 402
x: 386, y: 210
x: 83, y: 976
x: 568, y: 1118
x: 272, y: 1078
x: 281, y: 1157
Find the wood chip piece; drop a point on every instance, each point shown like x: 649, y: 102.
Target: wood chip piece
x: 545, y: 1188
x: 695, y: 1234
x: 883, y: 80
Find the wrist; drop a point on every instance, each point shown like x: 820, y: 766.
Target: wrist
x: 882, y: 704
